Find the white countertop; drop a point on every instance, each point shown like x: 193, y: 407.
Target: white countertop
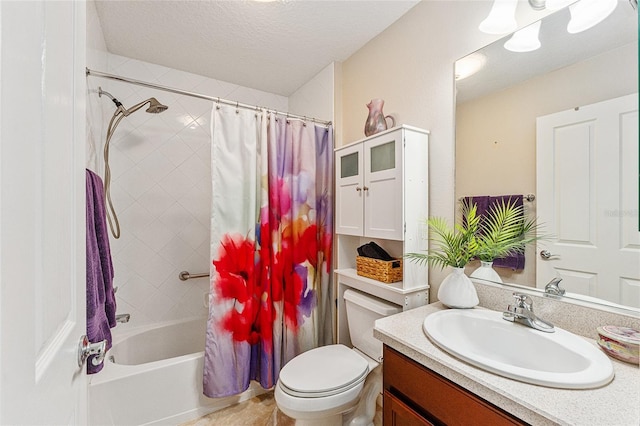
x: 617, y: 404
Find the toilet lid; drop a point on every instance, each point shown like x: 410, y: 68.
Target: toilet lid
x: 323, y: 371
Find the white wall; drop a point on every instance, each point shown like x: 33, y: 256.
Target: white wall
x: 410, y: 66
x: 316, y: 97
x: 98, y: 111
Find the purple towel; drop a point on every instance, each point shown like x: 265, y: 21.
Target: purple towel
x: 515, y: 261
x: 101, y: 302
x: 483, y: 203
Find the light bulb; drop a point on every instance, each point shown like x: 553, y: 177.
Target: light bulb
x: 501, y: 19
x: 588, y: 13
x: 525, y: 40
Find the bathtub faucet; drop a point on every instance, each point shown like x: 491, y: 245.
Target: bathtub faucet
x: 123, y: 318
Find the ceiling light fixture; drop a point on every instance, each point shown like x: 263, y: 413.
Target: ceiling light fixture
x: 501, y: 19
x: 525, y: 40
x: 588, y: 13
x: 537, y: 4
x: 557, y: 4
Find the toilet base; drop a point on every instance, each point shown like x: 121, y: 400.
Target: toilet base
x: 365, y: 410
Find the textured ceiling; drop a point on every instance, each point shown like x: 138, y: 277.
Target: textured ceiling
x: 271, y: 46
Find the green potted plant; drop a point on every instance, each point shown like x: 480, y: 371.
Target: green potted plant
x: 454, y: 247
x: 504, y: 231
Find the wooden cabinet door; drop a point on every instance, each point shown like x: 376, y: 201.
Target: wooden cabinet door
x: 438, y: 398
x: 397, y: 413
x: 383, y: 192
x: 349, y: 190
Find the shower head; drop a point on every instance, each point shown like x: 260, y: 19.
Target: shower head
x: 155, y: 107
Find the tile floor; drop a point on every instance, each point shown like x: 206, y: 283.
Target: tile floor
x: 258, y: 411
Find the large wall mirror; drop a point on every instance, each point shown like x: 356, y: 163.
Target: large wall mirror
x: 501, y: 114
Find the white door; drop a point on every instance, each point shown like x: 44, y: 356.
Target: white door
x: 349, y: 190
x: 383, y: 206
x: 42, y: 217
x: 587, y: 177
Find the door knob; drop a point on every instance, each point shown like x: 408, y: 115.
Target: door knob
x: 86, y: 349
x: 546, y: 255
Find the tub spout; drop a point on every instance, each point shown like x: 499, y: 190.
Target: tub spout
x: 123, y: 318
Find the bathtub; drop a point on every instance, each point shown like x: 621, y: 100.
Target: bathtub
x: 153, y: 376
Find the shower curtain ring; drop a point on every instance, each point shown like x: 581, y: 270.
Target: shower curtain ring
x: 304, y: 121
x: 237, y: 106
x: 218, y: 103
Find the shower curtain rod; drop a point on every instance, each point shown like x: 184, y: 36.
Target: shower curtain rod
x: 95, y: 73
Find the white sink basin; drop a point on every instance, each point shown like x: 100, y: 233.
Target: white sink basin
x: 482, y: 338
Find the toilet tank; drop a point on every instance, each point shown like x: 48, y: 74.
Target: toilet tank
x: 362, y: 311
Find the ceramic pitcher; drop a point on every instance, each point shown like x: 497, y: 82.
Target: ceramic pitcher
x: 376, y: 121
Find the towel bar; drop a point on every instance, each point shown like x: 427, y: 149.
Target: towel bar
x: 529, y: 197
x: 184, y: 275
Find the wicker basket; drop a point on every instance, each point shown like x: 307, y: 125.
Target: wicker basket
x: 379, y: 270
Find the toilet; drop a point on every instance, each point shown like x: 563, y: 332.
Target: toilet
x: 336, y: 385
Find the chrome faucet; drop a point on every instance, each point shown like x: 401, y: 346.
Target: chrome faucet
x: 522, y: 312
x: 553, y: 287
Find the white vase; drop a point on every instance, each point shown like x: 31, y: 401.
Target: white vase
x: 457, y: 290
x: 486, y: 272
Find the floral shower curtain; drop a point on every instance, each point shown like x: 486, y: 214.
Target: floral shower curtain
x: 271, y: 240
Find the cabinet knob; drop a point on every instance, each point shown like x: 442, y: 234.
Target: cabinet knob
x: 366, y: 188
x: 358, y: 189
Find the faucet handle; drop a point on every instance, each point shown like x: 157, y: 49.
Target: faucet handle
x: 523, y: 301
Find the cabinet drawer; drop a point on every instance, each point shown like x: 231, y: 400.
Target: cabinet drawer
x: 441, y: 399
x: 397, y: 413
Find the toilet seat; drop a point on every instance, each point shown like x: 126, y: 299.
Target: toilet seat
x: 324, y: 371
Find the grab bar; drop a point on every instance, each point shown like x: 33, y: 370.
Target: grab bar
x: 184, y: 275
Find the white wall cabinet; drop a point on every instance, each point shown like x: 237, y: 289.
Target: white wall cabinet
x: 369, y: 187
x: 382, y: 196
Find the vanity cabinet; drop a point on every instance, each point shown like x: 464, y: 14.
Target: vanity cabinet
x: 415, y: 395
x: 382, y: 194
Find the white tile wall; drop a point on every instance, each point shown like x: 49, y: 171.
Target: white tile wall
x: 161, y: 185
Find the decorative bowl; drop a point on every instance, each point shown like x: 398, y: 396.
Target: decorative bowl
x: 622, y: 343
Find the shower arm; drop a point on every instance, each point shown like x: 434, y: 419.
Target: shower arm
x: 119, y: 107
